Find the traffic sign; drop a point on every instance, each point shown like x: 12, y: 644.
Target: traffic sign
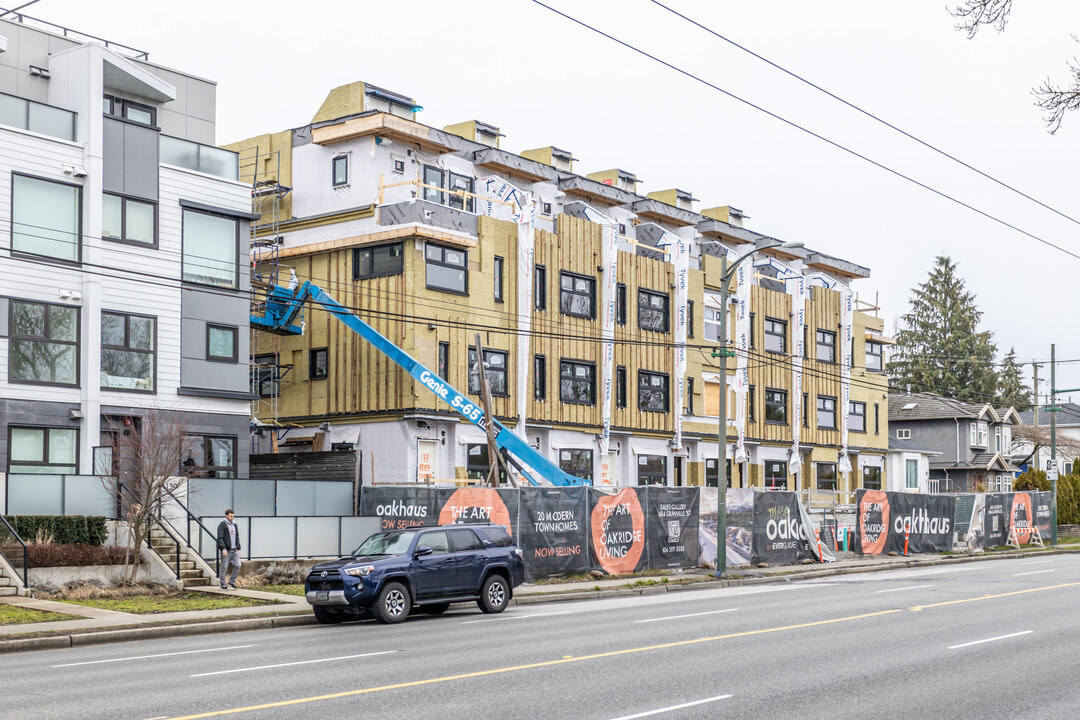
x: 1052, y: 472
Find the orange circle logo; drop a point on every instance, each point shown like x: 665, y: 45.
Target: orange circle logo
x: 1020, y: 517
x: 475, y: 505
x: 873, y: 521
x: 618, y: 531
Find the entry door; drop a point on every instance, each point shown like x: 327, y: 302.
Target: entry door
x: 679, y: 471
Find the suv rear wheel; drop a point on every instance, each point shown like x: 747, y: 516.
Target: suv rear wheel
x: 392, y: 604
x: 494, y: 595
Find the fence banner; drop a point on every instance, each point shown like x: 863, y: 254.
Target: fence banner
x: 672, y: 522
x: 992, y: 514
x: 400, y: 507
x: 740, y: 525
x: 553, y: 540
x: 1041, y: 501
x: 617, y: 521
x: 780, y: 538
x: 995, y: 520
x: 478, y: 505
x: 976, y: 534
x: 885, y: 517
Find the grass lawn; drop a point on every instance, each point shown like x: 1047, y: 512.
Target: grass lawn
x: 282, y: 589
x: 11, y: 615
x: 180, y: 602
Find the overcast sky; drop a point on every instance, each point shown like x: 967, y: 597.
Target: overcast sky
x: 545, y: 81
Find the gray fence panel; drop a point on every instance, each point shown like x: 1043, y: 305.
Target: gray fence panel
x: 962, y: 514
x: 208, y: 496
x: 333, y: 498
x: 254, y: 497
x: 35, y: 495
x: 317, y: 537
x: 296, y: 497
x: 271, y: 537
x: 87, y: 495
x: 355, y: 530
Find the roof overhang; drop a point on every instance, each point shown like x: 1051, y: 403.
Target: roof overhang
x: 662, y: 212
x: 383, y: 125
x: 514, y: 165
x: 595, y: 191
x: 124, y: 76
x: 836, y: 266
x: 397, y: 232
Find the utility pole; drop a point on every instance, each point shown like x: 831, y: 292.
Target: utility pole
x: 1035, y: 394
x: 1053, y: 448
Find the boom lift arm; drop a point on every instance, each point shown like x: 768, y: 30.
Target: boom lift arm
x: 282, y: 310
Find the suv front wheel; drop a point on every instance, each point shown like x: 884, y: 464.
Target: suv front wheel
x: 392, y: 604
x: 495, y: 595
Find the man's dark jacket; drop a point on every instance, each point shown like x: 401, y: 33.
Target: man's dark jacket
x: 223, y: 539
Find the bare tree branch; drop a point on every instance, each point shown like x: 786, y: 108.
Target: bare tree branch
x: 1057, y: 100
x: 974, y: 13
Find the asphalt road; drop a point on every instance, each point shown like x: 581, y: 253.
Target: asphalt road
x: 986, y: 639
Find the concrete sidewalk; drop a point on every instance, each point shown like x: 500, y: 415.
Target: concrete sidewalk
x: 96, y: 626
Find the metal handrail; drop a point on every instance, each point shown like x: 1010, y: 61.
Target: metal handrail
x: 25, y: 552
x: 160, y: 520
x: 76, y: 34
x: 187, y: 535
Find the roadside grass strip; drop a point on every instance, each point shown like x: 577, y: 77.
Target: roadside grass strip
x: 182, y: 602
x: 15, y: 615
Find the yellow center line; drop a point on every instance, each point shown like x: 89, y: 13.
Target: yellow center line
x: 597, y: 656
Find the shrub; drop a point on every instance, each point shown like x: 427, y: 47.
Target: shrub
x: 64, y: 529
x: 1031, y: 480
x: 287, y: 574
x: 94, y: 590
x: 77, y: 555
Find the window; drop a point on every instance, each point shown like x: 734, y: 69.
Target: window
x: 620, y: 387
x: 437, y: 541
x: 1006, y: 442
x: 978, y: 433
x: 128, y: 344
x: 806, y: 410
x: 753, y: 342
x: 826, y: 412
x: 689, y: 396
x: 42, y: 450
x: 620, y: 303
x: 264, y: 375
x: 689, y: 318
x: 399, y: 166
x: 577, y: 462
x: 712, y: 322
x: 127, y: 220
x: 318, y: 364
x: 498, y: 279
x: 433, y: 181
x: 997, y: 438
x: 221, y: 343
x: 857, y: 417
x: 129, y: 110
x: 652, y: 470
x: 577, y: 295
x: 44, y: 345
x: 874, y: 356
x: 462, y: 198
x: 711, y: 480
x: 378, y: 261
x: 826, y: 346
x: 826, y: 476
x: 478, y: 464
x: 577, y: 382
x: 447, y: 269
x: 903, y: 434
x: 340, y: 170
x: 871, y: 478
x: 540, y: 287
x: 912, y: 474
x: 775, y: 475
x: 877, y: 424
x: 539, y: 377
x: 444, y: 360
x: 45, y: 218
x: 210, y: 457
x: 776, y: 406
x: 775, y: 335
x: 652, y: 391
x: 464, y: 540
x: 750, y: 404
x: 652, y: 311
x: 494, y: 369
x: 211, y: 249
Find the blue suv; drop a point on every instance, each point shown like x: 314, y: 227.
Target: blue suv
x: 426, y: 568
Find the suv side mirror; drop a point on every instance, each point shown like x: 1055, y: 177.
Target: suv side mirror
x: 422, y: 551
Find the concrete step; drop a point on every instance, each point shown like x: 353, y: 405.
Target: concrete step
x: 5, y: 581
x: 185, y: 574
x: 184, y: 564
x: 8, y: 591
x: 197, y: 582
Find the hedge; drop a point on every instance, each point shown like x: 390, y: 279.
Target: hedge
x: 65, y: 529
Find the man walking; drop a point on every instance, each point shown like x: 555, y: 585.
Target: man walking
x: 228, y: 542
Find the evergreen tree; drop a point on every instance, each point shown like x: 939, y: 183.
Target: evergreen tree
x: 939, y: 348
x: 1011, y: 387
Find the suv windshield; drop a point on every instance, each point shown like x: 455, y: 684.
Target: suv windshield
x: 388, y: 543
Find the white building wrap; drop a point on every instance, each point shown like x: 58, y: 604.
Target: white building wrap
x: 845, y: 375
x: 796, y: 287
x: 742, y: 349
x: 609, y: 258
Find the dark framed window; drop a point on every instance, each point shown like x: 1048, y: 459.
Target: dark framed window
x: 877, y: 418
x: 826, y: 476
x: 577, y: 382
x: 776, y: 475
x: 447, y: 269
x: 478, y: 463
x: 689, y: 396
x: 264, y: 382
x: 775, y: 335
x: 857, y: 417
x: 444, y: 360
x: 130, y: 221
x: 494, y: 368
x: 806, y: 410
x: 128, y: 352
x: 689, y: 318
x: 399, y: 166
x: 871, y: 478
x: 44, y: 343
x: 221, y: 343
x: 498, y: 284
x: 46, y: 218
x: 462, y: 197
x: 653, y: 311
x: 577, y: 462
x: 539, y: 377
x: 339, y: 173
x: 826, y: 346
x: 826, y: 412
x: 652, y: 391
x: 378, y: 261
x: 43, y: 450
x: 210, y: 456
x: 318, y: 363
x: 750, y: 403
x: 577, y: 295
x: 874, y: 356
x: 211, y: 249
x: 433, y: 177
x: 805, y: 345
x: 753, y: 337
x: 652, y: 470
x: 620, y: 303
x: 776, y: 406
x: 540, y: 287
x: 620, y: 387
x: 464, y: 540
x: 130, y: 110
x: 711, y: 478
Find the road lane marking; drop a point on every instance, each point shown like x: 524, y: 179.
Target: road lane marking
x: 596, y: 656
x: 147, y: 657
x: 999, y: 637
x: 290, y: 664
x: 514, y: 617
x: 647, y: 713
x: 942, y: 570
x: 1033, y: 572
x: 1036, y: 562
x: 679, y: 617
x: 912, y: 587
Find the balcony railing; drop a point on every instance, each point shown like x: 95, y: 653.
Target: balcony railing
x: 37, y: 117
x: 200, y: 158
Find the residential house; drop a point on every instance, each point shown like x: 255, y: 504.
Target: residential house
x: 1067, y: 422
x: 909, y: 468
